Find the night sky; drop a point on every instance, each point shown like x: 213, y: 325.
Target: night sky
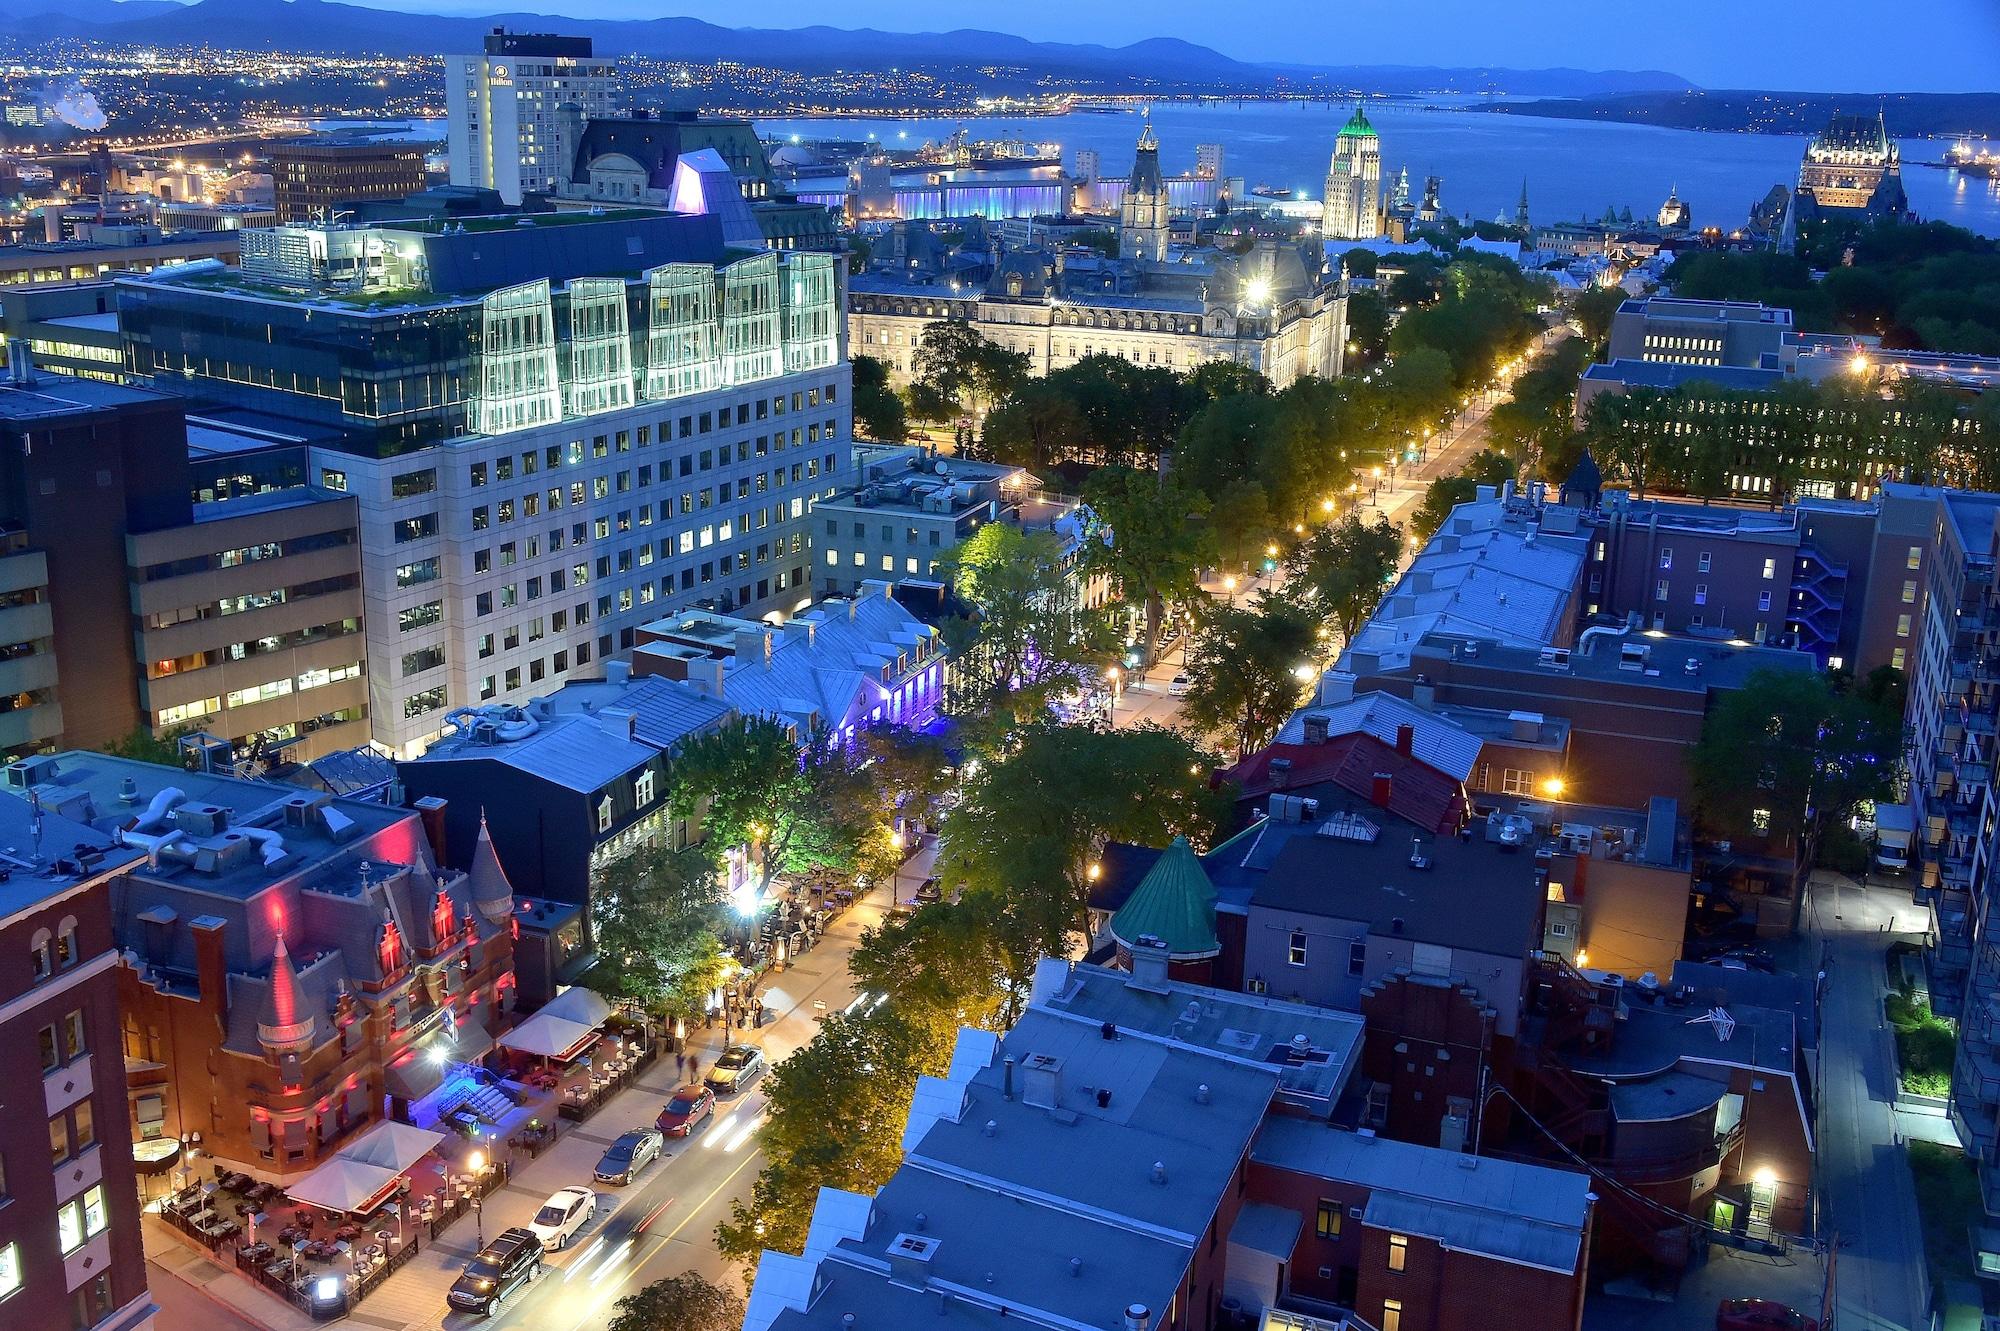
x: 1821, y: 45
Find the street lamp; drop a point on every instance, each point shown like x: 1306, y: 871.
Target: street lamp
x: 1111, y: 676
x: 477, y: 1163
x: 1553, y: 788
x: 1229, y: 585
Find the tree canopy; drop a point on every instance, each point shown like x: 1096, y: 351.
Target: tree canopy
x: 1028, y: 640
x: 1247, y: 668
x: 686, y: 1302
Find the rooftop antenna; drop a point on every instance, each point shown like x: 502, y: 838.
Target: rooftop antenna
x: 1719, y: 1018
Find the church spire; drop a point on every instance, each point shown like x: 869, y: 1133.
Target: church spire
x: 1521, y: 209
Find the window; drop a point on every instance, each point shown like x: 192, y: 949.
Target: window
x: 1910, y: 592
x: 1660, y: 592
x: 74, y: 1036
x: 83, y: 1128
x: 1516, y: 781
x: 1399, y: 1251
x: 1916, y: 558
x: 1295, y: 950
x: 10, y: 1269
x: 1902, y: 626
x: 1326, y: 1224
x: 1760, y: 820
x: 1770, y: 568
x: 1666, y: 556
x: 1763, y: 600
x: 1357, y: 957
x: 66, y: 946
x: 1897, y: 657
x: 412, y: 617
x: 417, y: 704
x: 415, y: 663
x: 604, y: 814
x: 1705, y: 562
x: 409, y: 484
x: 424, y: 570
x: 51, y: 1051
x: 82, y: 1220
x: 1392, y: 1315
x: 417, y: 528
x: 1701, y: 593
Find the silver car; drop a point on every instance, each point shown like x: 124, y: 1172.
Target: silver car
x: 629, y: 1154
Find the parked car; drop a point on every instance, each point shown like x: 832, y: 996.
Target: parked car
x: 502, y: 1266
x: 739, y: 1065
x: 1178, y: 687
x: 930, y: 891
x: 1761, y: 1315
x: 562, y: 1215
x: 632, y: 1152
x: 690, y: 1106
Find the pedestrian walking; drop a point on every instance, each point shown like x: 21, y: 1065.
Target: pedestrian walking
x: 680, y: 1065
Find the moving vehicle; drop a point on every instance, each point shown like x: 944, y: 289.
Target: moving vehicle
x: 739, y: 1065
x: 562, y: 1215
x: 502, y: 1266
x: 1178, y: 687
x: 690, y: 1106
x: 1760, y: 1315
x: 632, y: 1152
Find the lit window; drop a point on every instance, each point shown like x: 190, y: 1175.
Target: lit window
x: 1902, y: 626
x: 1760, y: 820
x: 1399, y: 1251
x: 1910, y: 592
x: 1295, y: 951
x: 10, y: 1269
x: 1897, y: 657
x: 1392, y: 1315
x: 1770, y: 568
x: 1327, y: 1224
x: 1916, y: 557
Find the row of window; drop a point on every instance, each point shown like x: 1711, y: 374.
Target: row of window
x: 247, y: 554
x: 533, y: 503
x: 236, y: 605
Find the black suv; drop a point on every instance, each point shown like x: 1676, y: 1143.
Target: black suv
x: 502, y: 1266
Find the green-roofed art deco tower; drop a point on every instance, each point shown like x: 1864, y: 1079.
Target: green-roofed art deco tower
x: 1175, y: 904
x: 1352, y: 209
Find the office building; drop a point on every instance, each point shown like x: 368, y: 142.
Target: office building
x: 1351, y: 208
x: 70, y: 327
x: 70, y: 1252
x: 109, y: 250
x: 243, y: 598
x: 513, y: 108
x: 908, y: 511
x: 312, y: 179
x: 286, y: 962
x: 556, y: 428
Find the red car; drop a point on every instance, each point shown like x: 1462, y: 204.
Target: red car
x: 689, y: 1106
x: 1760, y: 1315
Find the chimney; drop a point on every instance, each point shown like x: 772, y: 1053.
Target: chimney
x: 1042, y: 1081
x: 1137, y: 1317
x: 1336, y: 686
x: 1315, y: 727
x: 753, y: 644
x: 20, y: 364
x: 211, y: 968
x: 706, y: 673
x: 1424, y: 693
x: 618, y: 672
x: 1406, y: 739
x: 1381, y: 789
x: 1149, y: 964
x: 430, y: 812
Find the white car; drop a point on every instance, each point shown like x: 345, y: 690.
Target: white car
x: 1178, y: 687
x: 562, y: 1215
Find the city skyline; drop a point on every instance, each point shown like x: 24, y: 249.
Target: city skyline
x: 1952, y: 51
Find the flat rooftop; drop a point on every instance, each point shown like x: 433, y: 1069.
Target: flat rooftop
x: 47, y: 856
x: 1720, y: 664
x: 1250, y: 1029
x: 1655, y: 1036
x: 63, y: 395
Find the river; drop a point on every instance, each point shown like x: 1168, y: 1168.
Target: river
x: 1572, y: 168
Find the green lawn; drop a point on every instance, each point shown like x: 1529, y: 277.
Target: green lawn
x: 1948, y: 1202
x: 1925, y: 1045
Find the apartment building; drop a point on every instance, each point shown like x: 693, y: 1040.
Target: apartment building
x: 70, y: 1252
x: 545, y: 451
x: 510, y: 107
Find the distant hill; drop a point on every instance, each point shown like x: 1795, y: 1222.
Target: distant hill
x: 325, y: 25
x: 1909, y: 114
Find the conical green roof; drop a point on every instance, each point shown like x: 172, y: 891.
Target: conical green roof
x: 1174, y: 903
x: 1357, y: 125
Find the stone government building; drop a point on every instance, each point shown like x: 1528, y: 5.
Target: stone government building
x: 1279, y: 309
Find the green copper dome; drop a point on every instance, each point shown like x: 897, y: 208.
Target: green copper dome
x: 1357, y: 126
x: 1174, y: 903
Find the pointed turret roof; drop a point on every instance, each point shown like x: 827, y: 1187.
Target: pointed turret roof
x: 1585, y: 481
x: 1175, y: 903
x: 1146, y: 165
x: 284, y: 1019
x: 492, y: 894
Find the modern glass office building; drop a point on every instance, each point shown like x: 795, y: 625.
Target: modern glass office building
x: 558, y: 426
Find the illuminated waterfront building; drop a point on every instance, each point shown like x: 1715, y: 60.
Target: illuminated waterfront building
x: 511, y: 105
x: 557, y: 427
x: 1352, y: 209
x: 1852, y: 171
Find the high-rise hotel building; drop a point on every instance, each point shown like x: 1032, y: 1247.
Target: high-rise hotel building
x: 556, y: 427
x: 512, y: 105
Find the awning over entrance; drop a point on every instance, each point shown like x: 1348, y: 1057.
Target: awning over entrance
x: 563, y: 1028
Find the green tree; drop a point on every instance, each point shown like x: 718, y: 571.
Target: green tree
x: 837, y: 1112
x: 1147, y: 535
x: 955, y: 362
x: 1247, y: 669
x: 654, y: 915
x: 1029, y: 640
x: 878, y: 412
x: 913, y: 771
x: 796, y: 806
x: 150, y: 746
x: 1339, y: 571
x: 1038, y: 426
x: 1030, y: 820
x: 1368, y: 325
x: 951, y: 964
x: 1592, y: 312
x: 1792, y: 753
x: 686, y: 1302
